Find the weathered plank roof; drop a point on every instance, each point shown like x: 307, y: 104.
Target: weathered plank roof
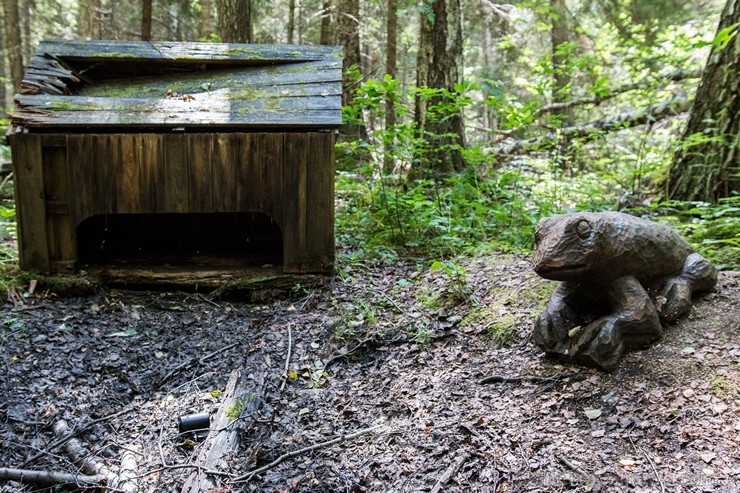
x: 134, y: 84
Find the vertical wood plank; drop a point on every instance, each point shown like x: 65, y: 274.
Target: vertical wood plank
x: 59, y: 229
x: 176, y: 174
x: 151, y: 175
x: 226, y: 158
x: 30, y: 202
x: 270, y: 154
x: 80, y: 170
x: 104, y: 174
x: 126, y: 165
x: 320, y: 203
x: 200, y: 156
x: 248, y: 174
x: 294, y: 202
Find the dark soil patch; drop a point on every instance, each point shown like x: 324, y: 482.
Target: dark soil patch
x: 392, y: 347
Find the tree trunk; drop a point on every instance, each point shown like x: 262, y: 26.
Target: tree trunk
x: 327, y: 36
x: 146, y: 20
x: 559, y: 36
x: 348, y: 35
x: 705, y: 167
x: 439, y: 66
x: 391, y: 63
x: 4, y: 74
x: 235, y: 20
x: 291, y: 21
x: 13, y: 42
x: 206, y: 19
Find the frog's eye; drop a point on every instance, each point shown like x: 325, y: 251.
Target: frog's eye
x: 583, y: 229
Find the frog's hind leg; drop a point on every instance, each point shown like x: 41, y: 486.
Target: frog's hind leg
x: 674, y: 298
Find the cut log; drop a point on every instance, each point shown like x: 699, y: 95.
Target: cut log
x: 223, y: 438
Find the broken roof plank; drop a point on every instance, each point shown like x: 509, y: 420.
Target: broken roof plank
x: 188, y: 52
x: 267, y: 119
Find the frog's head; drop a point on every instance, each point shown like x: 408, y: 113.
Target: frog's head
x: 566, y: 247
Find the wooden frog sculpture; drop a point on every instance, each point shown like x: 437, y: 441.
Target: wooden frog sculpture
x: 622, y: 276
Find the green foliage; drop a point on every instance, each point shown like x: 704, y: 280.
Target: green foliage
x: 713, y: 229
x: 460, y: 290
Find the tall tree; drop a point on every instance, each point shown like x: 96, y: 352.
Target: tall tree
x: 13, y: 42
x: 348, y: 35
x: 391, y: 68
x: 706, y: 167
x: 146, y: 20
x: 559, y: 37
x: 235, y: 20
x: 439, y: 66
x: 291, y: 21
x: 87, y: 18
x: 327, y: 35
x: 205, y: 27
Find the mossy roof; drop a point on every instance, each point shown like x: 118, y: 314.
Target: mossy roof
x: 130, y: 84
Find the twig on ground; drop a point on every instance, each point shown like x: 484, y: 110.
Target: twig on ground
x: 318, y: 446
x: 650, y: 461
x: 336, y: 357
x: 64, y: 439
x: 451, y: 471
x: 287, y: 358
x: 191, y: 363
x: 588, y: 477
x: 533, y: 378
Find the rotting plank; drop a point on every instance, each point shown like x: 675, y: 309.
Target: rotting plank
x: 223, y: 439
x: 270, y: 157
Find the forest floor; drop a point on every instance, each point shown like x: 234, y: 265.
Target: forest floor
x: 370, y: 383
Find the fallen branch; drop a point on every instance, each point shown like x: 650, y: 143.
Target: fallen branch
x: 81, y: 457
x: 287, y: 359
x: 318, y: 446
x: 62, y: 440
x: 189, y: 364
x: 49, y: 478
x: 450, y: 472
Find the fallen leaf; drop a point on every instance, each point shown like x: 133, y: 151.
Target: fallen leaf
x: 592, y: 413
x: 627, y: 463
x: 708, y: 457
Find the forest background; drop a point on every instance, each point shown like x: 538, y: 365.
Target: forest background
x: 465, y: 121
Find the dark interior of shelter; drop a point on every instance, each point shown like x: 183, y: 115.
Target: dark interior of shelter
x: 228, y: 239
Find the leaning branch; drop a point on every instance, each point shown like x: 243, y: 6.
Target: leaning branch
x: 641, y: 84
x: 593, y: 130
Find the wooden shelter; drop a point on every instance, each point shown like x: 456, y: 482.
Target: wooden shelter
x: 134, y: 151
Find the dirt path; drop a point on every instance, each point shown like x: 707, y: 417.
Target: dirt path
x: 396, y: 348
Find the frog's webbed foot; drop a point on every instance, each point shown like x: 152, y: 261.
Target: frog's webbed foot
x: 674, y: 298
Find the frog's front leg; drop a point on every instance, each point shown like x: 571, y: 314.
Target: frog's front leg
x: 633, y: 321
x: 674, y: 298
x: 556, y: 320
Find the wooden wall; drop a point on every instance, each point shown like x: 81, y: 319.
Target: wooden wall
x: 63, y: 179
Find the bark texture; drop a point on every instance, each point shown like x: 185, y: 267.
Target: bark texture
x: 708, y: 169
x: 235, y: 20
x: 439, y: 66
x: 13, y: 42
